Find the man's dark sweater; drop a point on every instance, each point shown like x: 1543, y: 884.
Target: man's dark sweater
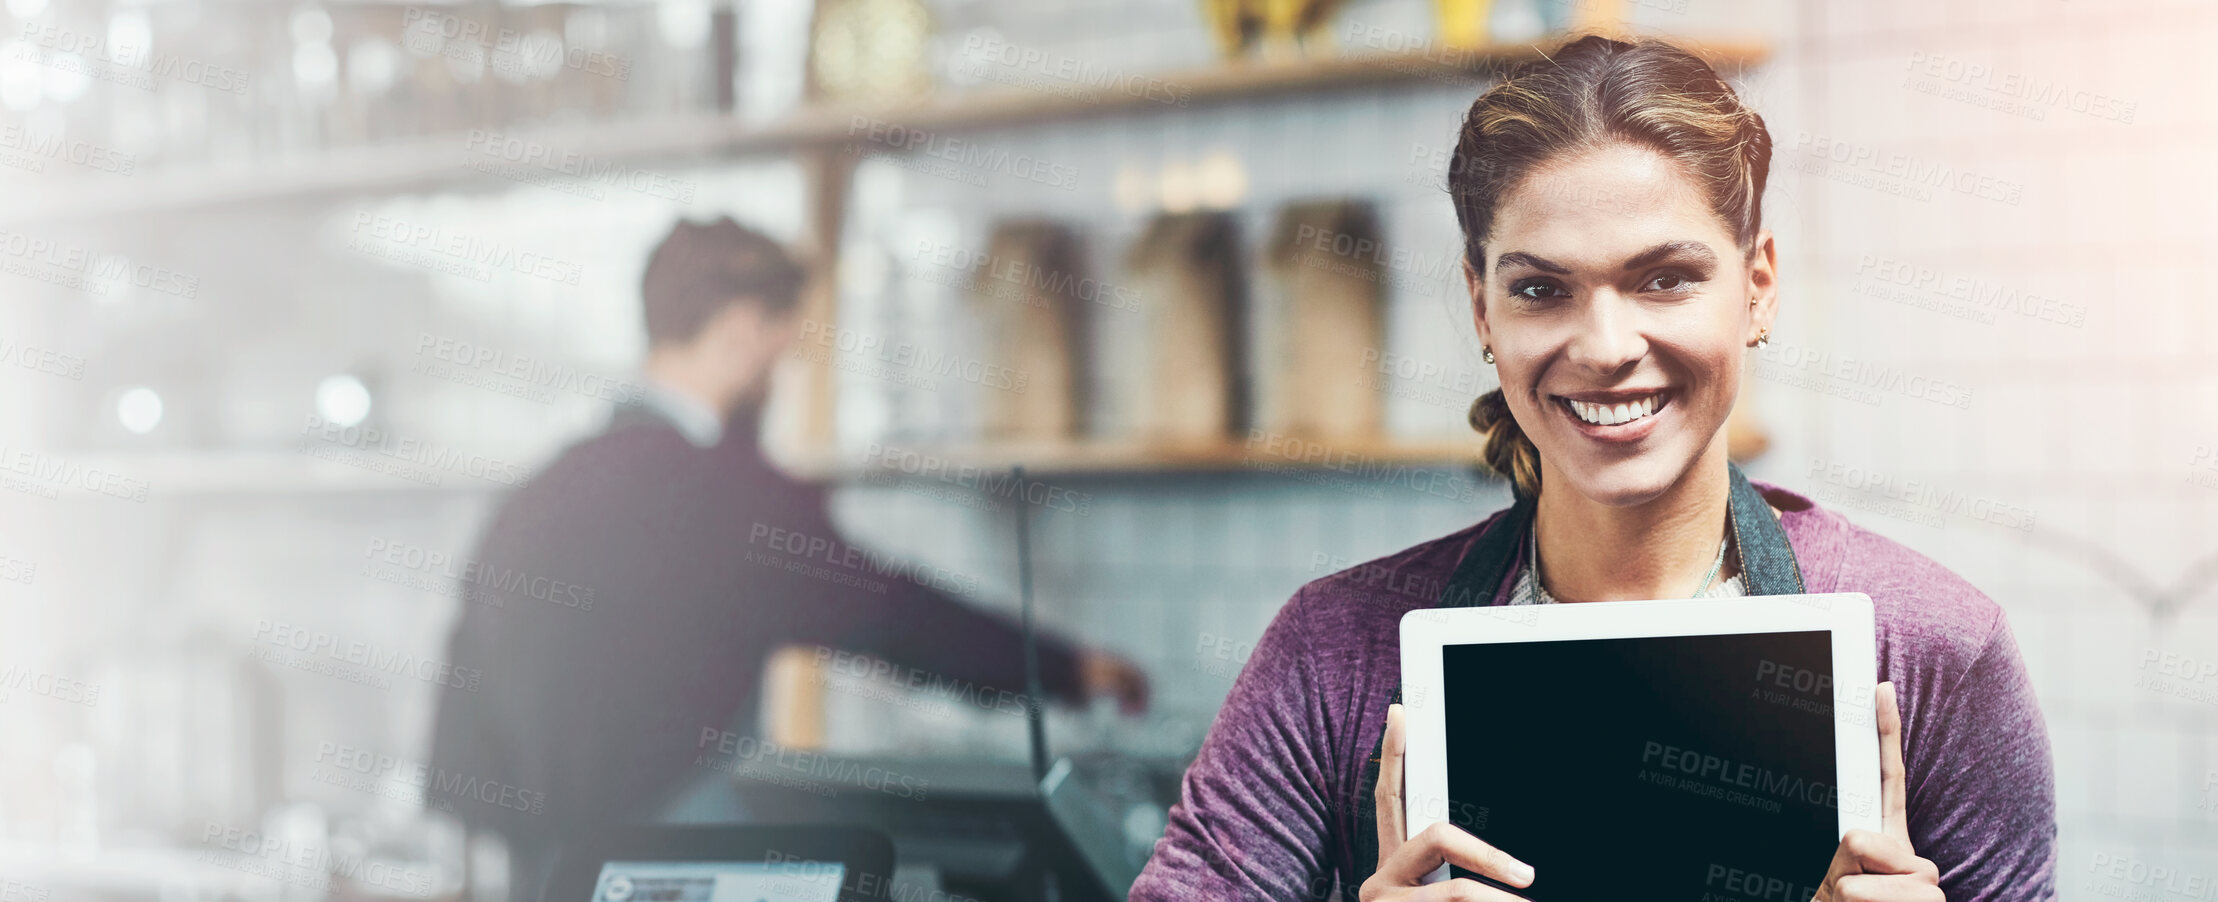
x: 626, y: 600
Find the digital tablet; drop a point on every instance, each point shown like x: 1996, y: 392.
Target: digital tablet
x: 1690, y: 749
x: 724, y: 864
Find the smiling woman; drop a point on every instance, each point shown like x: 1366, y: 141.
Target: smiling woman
x: 1610, y: 197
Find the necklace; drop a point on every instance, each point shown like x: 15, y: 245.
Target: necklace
x: 1532, y: 563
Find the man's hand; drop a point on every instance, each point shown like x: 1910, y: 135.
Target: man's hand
x: 1404, y: 863
x: 1102, y: 673
x: 1882, y: 866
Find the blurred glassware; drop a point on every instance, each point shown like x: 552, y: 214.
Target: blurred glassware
x: 1462, y: 23
x: 1234, y: 24
x: 1297, y: 28
x: 187, y: 734
x: 871, y: 51
x: 1272, y: 29
x: 1517, y: 21
x: 172, y: 85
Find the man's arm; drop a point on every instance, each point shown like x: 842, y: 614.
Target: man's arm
x: 862, y: 600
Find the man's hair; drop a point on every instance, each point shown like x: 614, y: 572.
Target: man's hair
x: 699, y: 269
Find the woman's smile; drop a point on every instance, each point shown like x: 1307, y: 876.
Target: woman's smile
x: 1625, y: 415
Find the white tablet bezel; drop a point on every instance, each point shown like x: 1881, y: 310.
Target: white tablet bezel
x: 1848, y: 616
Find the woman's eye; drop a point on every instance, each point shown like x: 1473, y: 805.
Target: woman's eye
x: 1669, y: 281
x: 1534, y: 291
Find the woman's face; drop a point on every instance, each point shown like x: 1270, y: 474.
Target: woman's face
x: 1618, y: 309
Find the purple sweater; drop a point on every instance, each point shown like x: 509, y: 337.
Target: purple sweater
x: 1267, y: 808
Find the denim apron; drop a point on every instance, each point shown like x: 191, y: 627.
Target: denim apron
x: 1767, y: 568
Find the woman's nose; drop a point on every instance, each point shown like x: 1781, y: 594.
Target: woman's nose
x: 1609, y: 337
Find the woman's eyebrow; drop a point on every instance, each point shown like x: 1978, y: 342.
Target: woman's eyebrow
x: 1520, y: 258
x: 1694, y: 251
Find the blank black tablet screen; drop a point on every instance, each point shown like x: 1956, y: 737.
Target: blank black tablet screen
x: 1685, y: 768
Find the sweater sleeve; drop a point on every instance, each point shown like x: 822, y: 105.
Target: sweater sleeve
x: 1252, y: 820
x: 1985, y: 808
x: 896, y: 616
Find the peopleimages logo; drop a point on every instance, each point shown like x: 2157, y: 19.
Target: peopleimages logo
x: 1020, y: 280
x: 18, y: 678
x: 872, y: 668
x: 996, y: 484
x: 306, y: 866
x: 46, y: 472
x: 904, y: 362
x: 533, y: 159
x: 479, y: 580
x: 373, y: 659
x: 63, y: 48
x: 439, y: 249
x: 1727, y: 772
x: 739, y: 753
x: 967, y: 154
x: 2132, y: 878
x: 1922, y: 494
x: 410, y: 458
x: 989, y: 57
x: 428, y: 32
x: 28, y: 150
x: 2174, y: 664
x: 1324, y: 463
x: 78, y: 268
x: 1753, y: 885
x: 802, y: 548
x: 41, y: 360
x: 1223, y: 655
x: 462, y: 361
x: 1350, y: 255
x: 438, y: 784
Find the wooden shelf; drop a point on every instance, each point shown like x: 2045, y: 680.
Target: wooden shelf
x: 294, y: 472
x: 1054, y: 101
x: 1379, y: 459
x: 419, y: 164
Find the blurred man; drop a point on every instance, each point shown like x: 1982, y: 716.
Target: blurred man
x: 626, y: 599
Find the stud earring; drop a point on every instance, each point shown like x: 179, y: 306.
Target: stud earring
x: 1763, y: 339
x: 1488, y: 352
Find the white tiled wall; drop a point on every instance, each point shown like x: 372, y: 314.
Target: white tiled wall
x: 2092, y: 428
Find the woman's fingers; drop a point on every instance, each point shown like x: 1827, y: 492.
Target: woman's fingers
x: 1871, y: 866
x: 1387, y: 795
x: 1445, y: 843
x: 1404, y: 863
x: 1874, y: 888
x: 1879, y: 853
x: 1893, y: 792
x: 1461, y: 889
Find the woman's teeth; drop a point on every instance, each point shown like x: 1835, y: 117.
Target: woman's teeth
x: 1613, y: 414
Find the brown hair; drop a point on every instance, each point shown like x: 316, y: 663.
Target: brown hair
x: 1590, y: 93
x: 701, y: 268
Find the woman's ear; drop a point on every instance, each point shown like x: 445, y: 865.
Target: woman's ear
x: 1477, y: 290
x: 1763, y: 287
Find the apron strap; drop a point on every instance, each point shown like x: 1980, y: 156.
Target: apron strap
x: 1768, y: 567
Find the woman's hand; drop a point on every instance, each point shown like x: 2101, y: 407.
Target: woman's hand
x: 1402, y: 864
x: 1882, y: 866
